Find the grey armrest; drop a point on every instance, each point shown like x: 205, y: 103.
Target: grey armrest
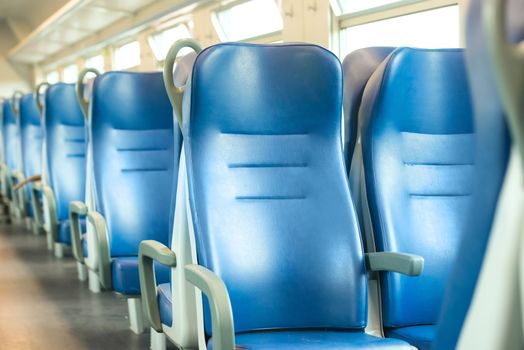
x: 407, y: 264
x: 51, y: 208
x: 77, y: 209
x: 221, y: 314
x: 16, y: 178
x: 35, y: 202
x: 148, y: 252
x: 102, y: 244
x: 27, y: 181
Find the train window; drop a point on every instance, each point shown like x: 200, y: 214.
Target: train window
x: 52, y: 77
x: 353, y: 6
x: 161, y: 42
x: 70, y: 73
x: 97, y: 62
x: 127, y: 56
x: 249, y: 19
x: 398, y: 31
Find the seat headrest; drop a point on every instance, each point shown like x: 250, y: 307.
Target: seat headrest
x: 29, y: 114
x: 61, y: 105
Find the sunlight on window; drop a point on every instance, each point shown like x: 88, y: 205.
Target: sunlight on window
x: 439, y: 28
x: 52, y: 77
x: 97, y: 62
x: 161, y: 42
x: 127, y: 56
x: 70, y: 73
x: 352, y: 6
x: 248, y: 20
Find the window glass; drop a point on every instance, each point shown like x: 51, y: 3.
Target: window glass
x: 249, y: 19
x: 96, y: 62
x: 127, y: 56
x: 439, y: 28
x: 352, y: 6
x: 52, y: 77
x: 161, y: 42
x: 70, y: 73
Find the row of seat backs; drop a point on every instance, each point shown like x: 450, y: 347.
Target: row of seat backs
x: 11, y: 135
x: 135, y: 151
x: 31, y: 136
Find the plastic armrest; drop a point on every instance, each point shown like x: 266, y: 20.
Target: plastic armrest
x: 51, y: 211
x: 406, y: 264
x: 102, y: 244
x: 36, y: 189
x: 77, y: 209
x: 27, y: 181
x: 221, y: 313
x: 148, y: 252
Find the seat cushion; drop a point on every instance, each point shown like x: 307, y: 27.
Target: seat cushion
x: 328, y: 340
x: 419, y: 336
x: 164, y: 302
x: 64, y: 231
x: 125, y: 275
x: 84, y: 245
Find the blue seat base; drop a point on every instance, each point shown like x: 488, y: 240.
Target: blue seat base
x: 419, y: 336
x: 125, y: 275
x: 164, y: 303
x: 64, y: 231
x: 315, y: 340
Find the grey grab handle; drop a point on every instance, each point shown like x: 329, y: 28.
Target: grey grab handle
x: 176, y: 93
x: 84, y: 105
x: 15, y: 102
x: 38, y: 94
x: 508, y: 62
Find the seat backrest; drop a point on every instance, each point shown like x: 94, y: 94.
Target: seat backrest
x: 493, y: 144
x: 358, y: 67
x: 65, y: 146
x: 31, y: 136
x: 134, y: 149
x: 271, y: 210
x: 11, y: 135
x: 418, y: 153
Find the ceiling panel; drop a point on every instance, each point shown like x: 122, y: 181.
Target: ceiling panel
x: 124, y: 5
x: 92, y: 19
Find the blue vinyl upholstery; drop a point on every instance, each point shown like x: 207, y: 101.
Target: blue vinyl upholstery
x: 269, y: 197
x: 358, y: 67
x: 125, y: 275
x: 419, y: 336
x: 31, y: 137
x: 418, y: 152
x: 64, y: 231
x: 135, y: 149
x: 65, y: 149
x: 493, y: 143
x: 165, y: 304
x: 11, y: 135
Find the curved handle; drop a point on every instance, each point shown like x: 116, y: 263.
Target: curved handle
x: 80, y: 89
x: 38, y: 96
x: 508, y: 61
x: 176, y: 93
x: 15, y: 102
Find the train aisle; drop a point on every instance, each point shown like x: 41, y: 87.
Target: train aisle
x: 44, y: 306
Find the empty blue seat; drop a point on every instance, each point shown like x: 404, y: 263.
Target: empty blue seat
x: 31, y: 137
x: 275, y: 231
x: 64, y: 170
x: 418, y: 155
x: 11, y: 146
x: 135, y: 149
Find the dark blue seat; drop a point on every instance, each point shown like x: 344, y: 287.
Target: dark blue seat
x: 418, y: 156
x: 272, y: 214
x: 492, y: 156
x: 135, y: 149
x: 31, y: 137
x: 64, y: 129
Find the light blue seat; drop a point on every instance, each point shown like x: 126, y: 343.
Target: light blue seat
x: 31, y: 137
x: 492, y: 156
x: 64, y: 129
x: 135, y: 151
x: 11, y: 146
x: 418, y: 155
x: 272, y: 214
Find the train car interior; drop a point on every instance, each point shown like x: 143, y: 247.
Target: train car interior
x: 262, y: 174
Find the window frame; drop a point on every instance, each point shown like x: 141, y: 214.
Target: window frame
x: 92, y: 56
x: 150, y: 37
x: 117, y: 47
x: 64, y: 69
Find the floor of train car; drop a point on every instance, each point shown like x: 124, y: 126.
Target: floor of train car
x: 44, y: 306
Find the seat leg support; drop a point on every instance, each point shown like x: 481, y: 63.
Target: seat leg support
x: 82, y: 271
x: 136, y: 315
x: 59, y: 250
x: 94, y: 281
x: 49, y: 241
x: 158, y: 340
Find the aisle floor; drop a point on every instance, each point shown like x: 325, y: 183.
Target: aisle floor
x: 44, y: 306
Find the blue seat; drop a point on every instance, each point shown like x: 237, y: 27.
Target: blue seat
x: 418, y: 156
x: 11, y: 146
x: 31, y: 137
x: 135, y: 149
x: 272, y: 215
x: 492, y: 158
x: 64, y: 130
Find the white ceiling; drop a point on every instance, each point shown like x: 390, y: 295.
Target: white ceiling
x: 31, y: 12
